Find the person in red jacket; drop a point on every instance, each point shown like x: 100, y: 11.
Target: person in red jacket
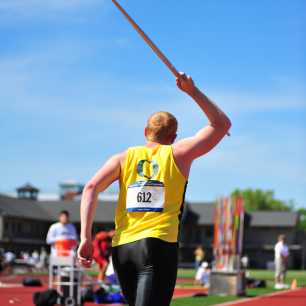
x: 102, y: 251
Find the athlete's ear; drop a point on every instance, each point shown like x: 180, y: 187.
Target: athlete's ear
x: 146, y: 132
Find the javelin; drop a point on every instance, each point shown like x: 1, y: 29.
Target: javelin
x: 145, y: 37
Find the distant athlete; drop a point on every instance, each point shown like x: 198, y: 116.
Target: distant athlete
x: 102, y: 252
x: 153, y: 180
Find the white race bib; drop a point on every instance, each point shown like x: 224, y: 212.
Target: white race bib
x: 145, y: 196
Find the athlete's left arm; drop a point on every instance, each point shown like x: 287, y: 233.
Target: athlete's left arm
x: 109, y: 173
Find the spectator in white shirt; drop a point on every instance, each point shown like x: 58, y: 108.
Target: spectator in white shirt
x: 281, y: 262
x: 62, y: 231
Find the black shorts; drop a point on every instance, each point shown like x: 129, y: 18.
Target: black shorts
x: 147, y: 271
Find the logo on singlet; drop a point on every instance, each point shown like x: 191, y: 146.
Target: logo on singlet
x: 146, y: 195
x: 152, y: 165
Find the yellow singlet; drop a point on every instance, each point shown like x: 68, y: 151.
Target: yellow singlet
x: 152, y: 191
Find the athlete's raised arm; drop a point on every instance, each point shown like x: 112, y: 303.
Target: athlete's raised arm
x: 109, y: 173
x: 188, y: 149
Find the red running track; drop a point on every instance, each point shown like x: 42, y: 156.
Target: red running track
x: 295, y: 297
x: 12, y: 293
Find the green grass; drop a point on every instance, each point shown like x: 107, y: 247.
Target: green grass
x: 185, y: 273
x: 202, y: 301
x: 300, y: 276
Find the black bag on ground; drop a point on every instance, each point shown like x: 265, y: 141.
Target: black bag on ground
x: 256, y: 283
x: 31, y: 282
x: 45, y: 298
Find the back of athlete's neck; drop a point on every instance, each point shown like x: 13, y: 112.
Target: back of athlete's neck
x: 152, y: 144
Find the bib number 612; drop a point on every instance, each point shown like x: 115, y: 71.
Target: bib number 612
x: 144, y: 197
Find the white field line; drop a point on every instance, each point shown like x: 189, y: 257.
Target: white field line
x: 10, y: 285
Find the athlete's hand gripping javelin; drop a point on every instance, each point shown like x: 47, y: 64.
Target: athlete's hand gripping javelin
x: 186, y: 84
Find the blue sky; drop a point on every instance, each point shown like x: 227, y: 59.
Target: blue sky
x: 77, y: 85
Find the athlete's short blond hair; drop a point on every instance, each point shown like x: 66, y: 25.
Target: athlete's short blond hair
x: 161, y: 126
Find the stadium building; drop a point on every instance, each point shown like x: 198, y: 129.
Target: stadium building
x: 25, y: 220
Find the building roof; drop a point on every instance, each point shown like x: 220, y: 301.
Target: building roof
x: 24, y: 208
x: 273, y: 218
x: 205, y: 212
x: 27, y: 187
x: 48, y: 211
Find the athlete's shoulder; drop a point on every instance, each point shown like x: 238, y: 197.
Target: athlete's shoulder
x: 117, y: 159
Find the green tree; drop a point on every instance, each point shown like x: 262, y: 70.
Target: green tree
x: 261, y: 200
x: 302, y: 219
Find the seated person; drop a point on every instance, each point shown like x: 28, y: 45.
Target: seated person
x: 202, y: 275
